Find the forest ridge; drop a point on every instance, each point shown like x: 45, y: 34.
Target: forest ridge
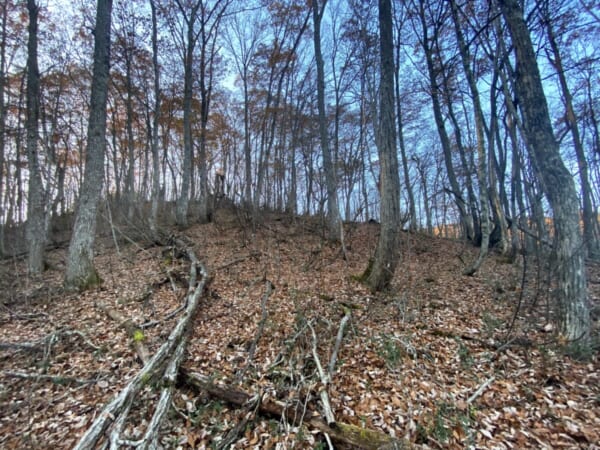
x: 131, y: 118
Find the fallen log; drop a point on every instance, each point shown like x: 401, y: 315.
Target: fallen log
x: 342, y: 434
x: 169, y: 355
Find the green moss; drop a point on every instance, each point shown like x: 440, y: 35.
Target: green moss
x: 362, y: 278
x: 84, y: 283
x: 138, y: 336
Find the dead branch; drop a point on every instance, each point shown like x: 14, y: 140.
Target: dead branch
x: 261, y: 326
x: 169, y: 353
x: 341, y: 434
x: 338, y: 341
x: 238, y: 260
x: 56, y: 379
x: 480, y: 390
x: 47, y: 341
x: 134, y: 333
x: 324, y: 380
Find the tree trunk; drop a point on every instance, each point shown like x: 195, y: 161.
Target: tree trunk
x: 557, y: 182
x: 3, y: 33
x: 186, y: 178
x: 155, y: 124
x: 466, y: 220
x: 333, y: 211
x: 409, y: 189
x: 386, y: 256
x: 36, y: 205
x: 590, y: 220
x: 81, y: 273
x: 482, y: 166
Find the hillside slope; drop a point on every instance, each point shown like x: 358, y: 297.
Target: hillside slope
x: 432, y: 361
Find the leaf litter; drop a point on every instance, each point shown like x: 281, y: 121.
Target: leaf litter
x: 431, y: 361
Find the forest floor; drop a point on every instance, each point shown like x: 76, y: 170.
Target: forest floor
x: 435, y: 361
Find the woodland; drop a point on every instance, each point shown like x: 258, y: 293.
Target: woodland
x: 299, y: 224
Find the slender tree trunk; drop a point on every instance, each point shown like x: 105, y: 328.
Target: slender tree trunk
x: 186, y: 178
x: 155, y: 125
x: 408, y: 185
x: 574, y: 313
x: 36, y: 205
x: 81, y: 273
x: 130, y: 176
x: 247, y: 149
x: 3, y: 33
x: 590, y: 220
x: 482, y: 166
x: 466, y: 220
x: 387, y: 254
x: 333, y: 211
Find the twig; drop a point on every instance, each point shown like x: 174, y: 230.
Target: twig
x: 261, y: 326
x: 46, y: 341
x: 338, y: 341
x: 329, y: 417
x: 480, y: 390
x: 56, y: 379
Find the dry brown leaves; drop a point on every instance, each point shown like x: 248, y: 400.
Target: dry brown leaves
x: 409, y: 362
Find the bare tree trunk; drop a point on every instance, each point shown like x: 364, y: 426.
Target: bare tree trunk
x: 386, y: 256
x: 36, y: 205
x: 186, y: 179
x: 155, y: 124
x: 333, y: 211
x: 130, y: 177
x: 590, y: 220
x: 3, y: 33
x: 466, y: 220
x: 574, y: 313
x: 482, y: 166
x: 81, y: 273
x: 408, y: 185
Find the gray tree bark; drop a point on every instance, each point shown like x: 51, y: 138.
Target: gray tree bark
x: 387, y: 253
x: 36, y: 205
x: 183, y: 201
x: 557, y: 183
x: 466, y: 220
x: 81, y: 273
x: 590, y: 220
x: 333, y: 211
x: 155, y: 123
x: 482, y: 166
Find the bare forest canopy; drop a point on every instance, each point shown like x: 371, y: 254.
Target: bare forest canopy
x: 133, y: 124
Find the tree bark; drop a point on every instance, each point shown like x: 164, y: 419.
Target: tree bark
x: 466, y: 220
x: 482, y: 166
x: 155, y: 123
x: 186, y: 178
x: 590, y: 220
x: 408, y: 185
x: 36, y: 205
x: 557, y: 183
x: 386, y: 256
x: 81, y: 273
x: 333, y: 211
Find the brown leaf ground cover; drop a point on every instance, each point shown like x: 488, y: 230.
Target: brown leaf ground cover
x: 434, y: 361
